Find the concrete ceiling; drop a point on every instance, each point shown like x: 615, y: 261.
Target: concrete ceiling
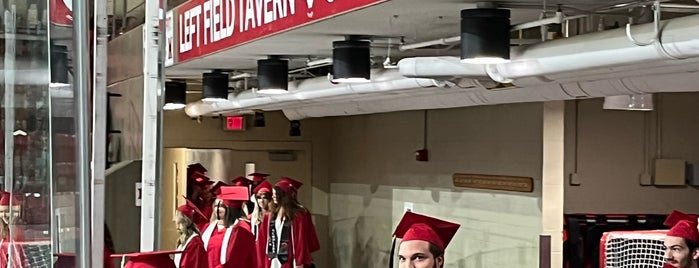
x: 395, y: 21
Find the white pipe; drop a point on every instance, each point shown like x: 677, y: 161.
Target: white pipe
x: 439, y: 67
x: 575, y: 54
x: 310, y: 91
x: 441, y: 41
x: 455, y: 97
x: 679, y: 6
x: 556, y: 19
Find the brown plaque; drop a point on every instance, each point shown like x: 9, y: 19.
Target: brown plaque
x: 494, y: 182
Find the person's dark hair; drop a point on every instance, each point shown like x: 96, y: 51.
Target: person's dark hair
x: 290, y: 205
x: 230, y: 216
x: 436, y: 252
x: 233, y: 214
x: 691, y: 245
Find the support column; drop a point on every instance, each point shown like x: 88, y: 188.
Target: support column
x: 553, y: 177
x: 152, y: 119
x: 99, y: 131
x: 81, y: 64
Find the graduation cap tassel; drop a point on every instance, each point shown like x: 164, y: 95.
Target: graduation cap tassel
x: 393, y: 253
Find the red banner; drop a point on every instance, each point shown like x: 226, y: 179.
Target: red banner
x: 207, y: 26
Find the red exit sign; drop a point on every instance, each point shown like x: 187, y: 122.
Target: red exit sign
x: 235, y: 123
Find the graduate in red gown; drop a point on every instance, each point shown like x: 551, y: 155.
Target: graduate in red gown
x: 682, y: 241
x: 263, y: 206
x: 423, y: 241
x: 189, y: 242
x: 11, y: 237
x: 288, y: 230
x: 228, y: 239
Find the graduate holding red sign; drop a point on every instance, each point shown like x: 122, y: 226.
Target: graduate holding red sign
x: 227, y: 238
x: 288, y: 230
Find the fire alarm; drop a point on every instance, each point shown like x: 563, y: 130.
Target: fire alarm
x: 421, y: 155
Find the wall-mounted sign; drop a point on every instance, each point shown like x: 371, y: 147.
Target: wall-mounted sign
x: 169, y: 39
x: 207, y: 26
x: 234, y: 123
x: 494, y: 182
x: 138, y: 194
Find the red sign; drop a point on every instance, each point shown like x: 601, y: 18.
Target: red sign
x: 207, y: 26
x: 235, y: 123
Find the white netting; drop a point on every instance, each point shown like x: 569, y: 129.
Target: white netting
x: 632, y: 249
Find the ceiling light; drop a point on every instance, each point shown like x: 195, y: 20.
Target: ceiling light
x: 485, y: 35
x: 643, y: 102
x: 272, y: 76
x: 175, y: 95
x: 59, y: 66
x: 215, y: 87
x: 351, y: 61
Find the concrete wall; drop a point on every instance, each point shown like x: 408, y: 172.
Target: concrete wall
x: 373, y: 174
x: 125, y: 77
x: 610, y: 155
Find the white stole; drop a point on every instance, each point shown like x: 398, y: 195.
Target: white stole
x: 224, y: 246
x: 178, y: 256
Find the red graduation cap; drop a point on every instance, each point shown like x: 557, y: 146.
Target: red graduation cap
x: 189, y: 209
x: 152, y: 259
x: 216, y: 189
x: 233, y: 196
x: 196, y: 167
x: 5, y: 199
x: 685, y: 229
x: 241, y: 181
x: 201, y: 179
x: 258, y: 177
x: 264, y: 186
x: 419, y: 227
x: 677, y: 216
x: 683, y: 225
x: 289, y: 185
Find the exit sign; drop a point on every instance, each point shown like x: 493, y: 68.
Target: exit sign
x: 234, y: 123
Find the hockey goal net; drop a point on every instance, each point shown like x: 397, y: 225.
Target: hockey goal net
x: 632, y: 249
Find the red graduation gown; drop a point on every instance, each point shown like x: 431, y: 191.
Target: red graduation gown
x: 241, y: 251
x: 304, y: 240
x: 213, y: 247
x: 260, y: 245
x: 194, y: 254
x: 240, y: 248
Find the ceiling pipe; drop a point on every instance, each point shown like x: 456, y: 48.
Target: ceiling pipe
x: 591, y: 51
x: 310, y: 91
x: 455, y: 97
x: 558, y: 18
